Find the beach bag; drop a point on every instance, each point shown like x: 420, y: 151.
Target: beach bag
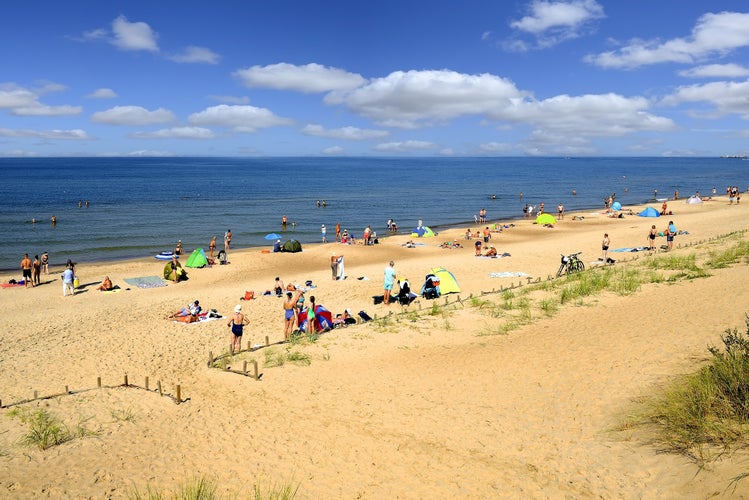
x: 248, y: 295
x: 364, y: 316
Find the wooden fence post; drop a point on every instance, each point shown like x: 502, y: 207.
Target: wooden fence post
x: 179, y: 394
x: 254, y: 369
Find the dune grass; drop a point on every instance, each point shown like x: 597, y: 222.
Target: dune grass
x: 202, y: 488
x: 47, y: 430
x: 708, y: 410
x: 279, y: 357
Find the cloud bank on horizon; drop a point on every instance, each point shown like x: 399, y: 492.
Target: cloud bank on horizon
x: 552, y: 78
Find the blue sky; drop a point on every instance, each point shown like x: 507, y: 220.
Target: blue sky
x: 387, y: 78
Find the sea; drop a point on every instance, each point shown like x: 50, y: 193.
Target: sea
x: 123, y: 208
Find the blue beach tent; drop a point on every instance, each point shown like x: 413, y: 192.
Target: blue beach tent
x: 649, y: 212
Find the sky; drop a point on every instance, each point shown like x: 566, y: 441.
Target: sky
x: 386, y: 78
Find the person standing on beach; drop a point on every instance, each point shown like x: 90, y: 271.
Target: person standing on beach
x: 45, y: 262
x: 212, y: 247
x: 338, y: 231
x: 36, y: 271
x: 237, y: 324
x: 389, y: 282
x: 651, y: 237
x: 670, y: 233
x: 289, y: 314
x: 227, y: 240
x: 67, y: 281
x: 26, y: 265
x: 560, y: 212
x: 311, y: 325
x: 335, y: 261
x: 322, y: 232
x: 605, y: 247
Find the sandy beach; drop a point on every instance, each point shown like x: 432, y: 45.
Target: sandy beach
x: 428, y: 404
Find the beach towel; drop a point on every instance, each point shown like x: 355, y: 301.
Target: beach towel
x: 508, y: 274
x: 203, y: 317
x: 146, y: 281
x: 11, y: 285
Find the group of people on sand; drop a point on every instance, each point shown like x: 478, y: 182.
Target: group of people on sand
x: 31, y: 270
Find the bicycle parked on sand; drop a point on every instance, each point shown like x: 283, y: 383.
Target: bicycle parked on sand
x: 570, y: 264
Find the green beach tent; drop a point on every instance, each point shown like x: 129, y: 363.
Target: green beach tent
x: 197, y: 259
x: 546, y: 219
x: 292, y: 246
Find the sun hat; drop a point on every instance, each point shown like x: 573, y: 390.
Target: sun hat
x: 237, y: 308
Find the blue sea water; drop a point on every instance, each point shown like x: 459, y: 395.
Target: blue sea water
x: 142, y: 206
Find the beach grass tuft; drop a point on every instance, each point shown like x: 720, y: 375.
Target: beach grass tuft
x: 728, y: 256
x: 709, y: 409
x: 273, y: 358
x: 202, y: 488
x: 276, y: 491
x: 126, y: 415
x: 47, y: 430
x: 549, y: 306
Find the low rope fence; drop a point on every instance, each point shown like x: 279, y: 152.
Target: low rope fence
x: 176, y: 398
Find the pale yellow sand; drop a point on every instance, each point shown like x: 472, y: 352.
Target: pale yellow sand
x: 427, y: 406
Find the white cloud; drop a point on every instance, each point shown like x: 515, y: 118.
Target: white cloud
x: 555, y: 22
x: 132, y: 115
x: 333, y: 150
x: 404, y: 147
x: 16, y: 97
x: 599, y: 115
x: 416, y: 98
x: 194, y: 54
x: 42, y: 110
x: 25, y: 102
x: 713, y: 35
x: 230, y: 99
x: 247, y: 119
x: 716, y: 71
x: 103, y: 93
x: 311, y: 78
x: 74, y: 134
x: 176, y: 133
x: 495, y: 147
x: 345, y: 133
x: 726, y: 97
x: 133, y: 36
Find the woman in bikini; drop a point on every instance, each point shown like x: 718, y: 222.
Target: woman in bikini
x: 289, y: 311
